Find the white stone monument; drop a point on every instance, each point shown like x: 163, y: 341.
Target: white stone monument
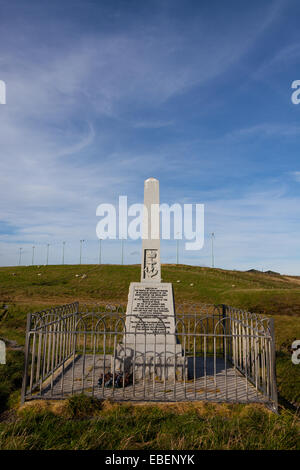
x: 2, y: 352
x: 150, y: 344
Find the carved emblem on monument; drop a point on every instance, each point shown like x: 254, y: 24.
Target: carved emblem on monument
x: 151, y: 264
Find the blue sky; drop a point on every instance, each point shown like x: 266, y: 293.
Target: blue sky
x: 104, y: 94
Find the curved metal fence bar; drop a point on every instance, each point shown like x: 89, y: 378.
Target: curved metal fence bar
x: 213, y: 352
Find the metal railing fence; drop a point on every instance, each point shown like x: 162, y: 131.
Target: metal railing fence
x: 216, y: 353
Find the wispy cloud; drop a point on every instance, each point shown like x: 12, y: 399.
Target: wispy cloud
x: 267, y: 129
x: 152, y: 124
x: 296, y: 176
x: 84, y: 104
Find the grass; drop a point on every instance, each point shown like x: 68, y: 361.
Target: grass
x: 83, y: 424
x: 106, y: 283
x: 109, y: 426
x: 11, y: 375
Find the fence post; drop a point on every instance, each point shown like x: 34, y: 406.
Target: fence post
x: 273, y: 365
x: 26, y: 359
x: 224, y: 324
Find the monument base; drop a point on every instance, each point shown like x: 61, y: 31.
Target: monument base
x: 163, y: 364
x: 150, y: 345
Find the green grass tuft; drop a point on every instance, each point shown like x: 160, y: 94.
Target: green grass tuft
x: 121, y: 427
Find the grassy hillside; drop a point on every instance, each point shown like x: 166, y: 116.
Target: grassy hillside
x: 109, y: 283
x: 24, y: 289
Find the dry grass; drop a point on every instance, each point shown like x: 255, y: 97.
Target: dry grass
x: 79, y: 423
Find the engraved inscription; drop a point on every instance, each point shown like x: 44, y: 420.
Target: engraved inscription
x: 151, y: 305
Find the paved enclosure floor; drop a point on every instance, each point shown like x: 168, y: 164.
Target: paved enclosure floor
x: 218, y: 382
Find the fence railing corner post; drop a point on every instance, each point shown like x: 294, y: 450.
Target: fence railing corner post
x: 273, y: 363
x: 26, y: 358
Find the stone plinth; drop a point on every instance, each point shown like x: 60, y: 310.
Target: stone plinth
x: 149, y: 343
